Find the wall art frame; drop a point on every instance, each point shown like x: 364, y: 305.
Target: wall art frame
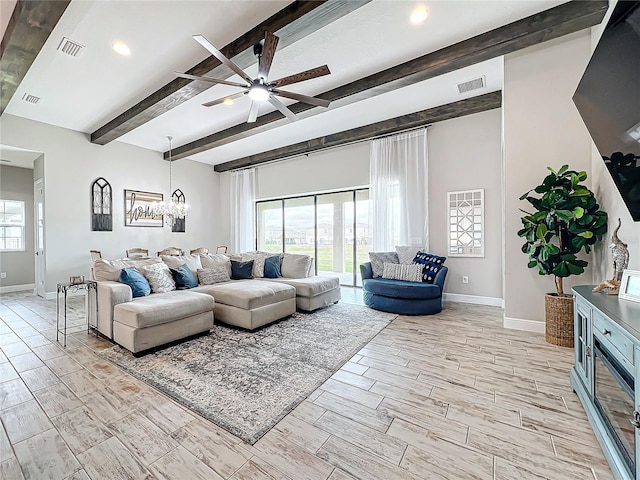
x: 630, y: 285
x: 138, y: 209
x: 101, y: 205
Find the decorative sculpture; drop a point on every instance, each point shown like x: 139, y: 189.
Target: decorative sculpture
x: 620, y: 255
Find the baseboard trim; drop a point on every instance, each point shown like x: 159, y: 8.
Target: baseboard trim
x: 17, y: 288
x: 523, y: 324
x: 475, y: 299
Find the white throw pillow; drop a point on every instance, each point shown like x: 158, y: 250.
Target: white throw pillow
x: 406, y: 254
x: 109, y: 270
x: 295, y: 266
x: 402, y: 271
x: 210, y: 260
x: 175, y: 261
x: 258, y: 262
x: 209, y: 276
x: 159, y: 277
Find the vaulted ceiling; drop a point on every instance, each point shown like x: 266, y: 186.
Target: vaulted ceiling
x: 382, y: 66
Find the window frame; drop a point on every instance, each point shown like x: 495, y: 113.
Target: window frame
x: 22, y: 226
x: 450, y: 238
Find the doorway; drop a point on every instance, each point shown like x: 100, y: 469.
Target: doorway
x: 38, y: 205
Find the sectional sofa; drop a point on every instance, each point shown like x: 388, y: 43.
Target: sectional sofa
x: 141, y: 323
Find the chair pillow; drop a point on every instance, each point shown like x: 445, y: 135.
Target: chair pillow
x: 258, y: 262
x: 295, y: 265
x: 406, y: 254
x: 378, y: 259
x: 210, y: 260
x: 159, y: 277
x: 431, y: 265
x: 402, y: 271
x: 241, y: 270
x: 272, y: 267
x: 184, y: 277
x: 139, y: 285
x: 209, y: 276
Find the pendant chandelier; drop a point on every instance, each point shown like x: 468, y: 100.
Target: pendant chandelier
x: 173, y: 209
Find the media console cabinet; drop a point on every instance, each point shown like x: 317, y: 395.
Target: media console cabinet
x: 607, y: 364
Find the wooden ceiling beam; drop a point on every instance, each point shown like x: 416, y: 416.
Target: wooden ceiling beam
x: 488, y: 101
x: 292, y: 23
x: 27, y: 31
x: 549, y: 24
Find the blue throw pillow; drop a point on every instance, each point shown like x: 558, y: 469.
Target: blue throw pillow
x: 139, y: 285
x: 431, y: 265
x: 241, y: 270
x: 272, y: 267
x: 184, y: 277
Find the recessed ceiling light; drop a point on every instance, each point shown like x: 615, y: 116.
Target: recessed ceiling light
x: 228, y: 101
x: 121, y: 48
x: 419, y: 14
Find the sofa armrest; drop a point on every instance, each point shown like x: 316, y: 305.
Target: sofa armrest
x: 440, y: 278
x: 110, y: 294
x: 366, y: 271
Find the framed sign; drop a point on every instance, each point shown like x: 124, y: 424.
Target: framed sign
x: 138, y: 209
x: 630, y: 286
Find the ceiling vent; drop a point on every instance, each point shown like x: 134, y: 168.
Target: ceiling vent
x: 30, y: 98
x: 474, y: 84
x: 70, y: 47
x: 5, y: 161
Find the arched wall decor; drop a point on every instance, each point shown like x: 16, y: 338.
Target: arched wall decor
x: 180, y: 224
x: 101, y: 206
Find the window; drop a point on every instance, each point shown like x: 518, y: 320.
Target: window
x: 11, y: 225
x: 466, y: 223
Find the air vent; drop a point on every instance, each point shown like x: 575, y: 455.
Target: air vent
x: 30, y: 98
x: 474, y: 84
x: 70, y: 47
x: 5, y: 161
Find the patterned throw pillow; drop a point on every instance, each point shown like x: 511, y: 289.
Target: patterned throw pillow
x: 406, y: 254
x: 258, y: 262
x: 210, y: 260
x: 209, y: 276
x: 402, y: 271
x: 431, y: 265
x: 159, y: 277
x: 378, y: 259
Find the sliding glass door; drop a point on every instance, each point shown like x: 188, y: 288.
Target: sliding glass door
x: 333, y: 228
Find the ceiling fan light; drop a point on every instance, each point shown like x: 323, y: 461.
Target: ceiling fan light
x: 259, y: 93
x: 121, y: 48
x: 228, y: 101
x: 419, y: 14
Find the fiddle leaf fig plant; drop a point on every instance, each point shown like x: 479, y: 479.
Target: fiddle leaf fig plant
x: 566, y: 220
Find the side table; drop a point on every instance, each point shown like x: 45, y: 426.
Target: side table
x: 88, y: 287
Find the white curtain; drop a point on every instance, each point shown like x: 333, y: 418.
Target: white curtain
x: 398, y: 189
x: 243, y: 200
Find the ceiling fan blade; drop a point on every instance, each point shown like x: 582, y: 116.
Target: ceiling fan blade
x: 283, y: 109
x: 220, y: 56
x: 253, y: 113
x: 318, y: 102
x: 302, y: 76
x: 222, y: 99
x: 268, y: 52
x: 210, y: 80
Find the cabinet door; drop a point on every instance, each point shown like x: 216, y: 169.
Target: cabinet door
x: 583, y: 343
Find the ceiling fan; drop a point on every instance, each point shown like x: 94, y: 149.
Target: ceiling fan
x: 261, y: 89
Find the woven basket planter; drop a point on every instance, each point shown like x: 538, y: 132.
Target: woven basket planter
x: 559, y: 319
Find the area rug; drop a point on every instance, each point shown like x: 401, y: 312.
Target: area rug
x: 246, y: 382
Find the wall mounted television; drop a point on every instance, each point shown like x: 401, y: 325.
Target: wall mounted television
x: 608, y: 99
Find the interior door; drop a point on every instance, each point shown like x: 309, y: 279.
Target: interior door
x: 38, y: 191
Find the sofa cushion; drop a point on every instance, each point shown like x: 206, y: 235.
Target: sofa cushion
x: 159, y: 277
x: 295, y: 265
x: 242, y: 270
x: 209, y: 276
x: 401, y: 271
x: 250, y: 294
x: 211, y: 260
x: 378, y: 259
x: 191, y: 261
x: 431, y: 265
x: 109, y: 270
x: 184, y: 277
x: 400, y: 288
x: 309, y: 286
x: 139, y: 285
x: 161, y: 308
x: 272, y: 266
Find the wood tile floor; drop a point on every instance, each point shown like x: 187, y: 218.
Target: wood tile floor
x: 451, y: 396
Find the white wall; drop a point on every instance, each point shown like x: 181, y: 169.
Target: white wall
x: 17, y: 184
x: 542, y: 128
x: 463, y: 153
x: 72, y: 163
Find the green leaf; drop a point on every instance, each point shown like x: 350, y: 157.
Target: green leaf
x: 532, y: 264
x: 563, y: 169
x: 578, y: 212
x: 575, y: 269
x: 587, y: 234
x: 561, y: 270
x: 564, y: 215
x: 541, y: 230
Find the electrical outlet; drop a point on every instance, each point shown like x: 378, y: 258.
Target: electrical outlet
x: 3, y: 275
x: 465, y: 279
